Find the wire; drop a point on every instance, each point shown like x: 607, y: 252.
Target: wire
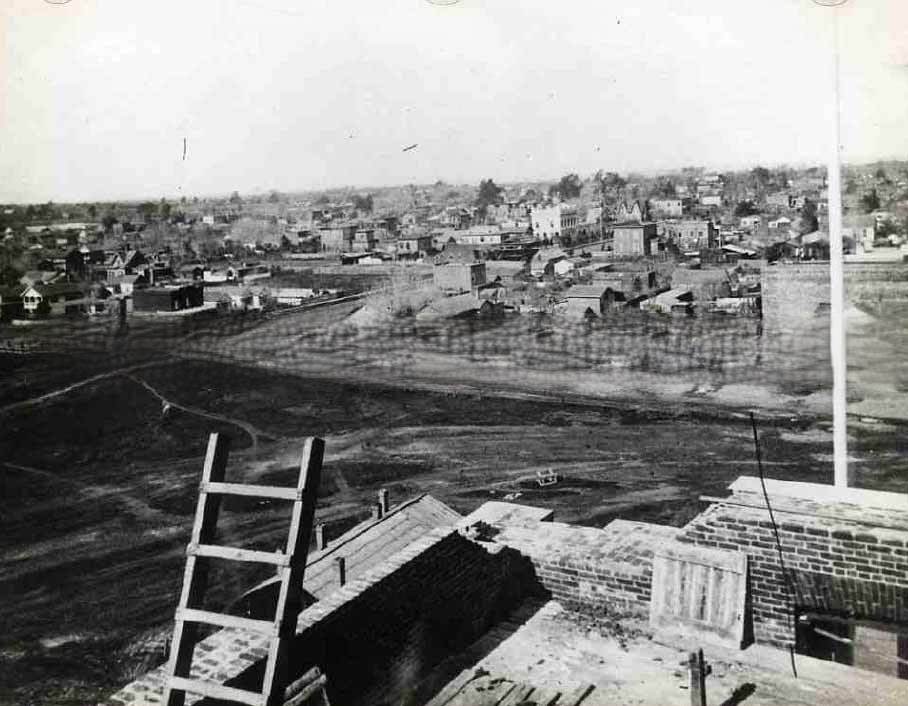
x: 775, y: 529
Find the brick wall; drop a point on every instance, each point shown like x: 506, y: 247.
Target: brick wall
x: 380, y: 634
x: 592, y: 570
x: 834, y: 566
x: 593, y: 588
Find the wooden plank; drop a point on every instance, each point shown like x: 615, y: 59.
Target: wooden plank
x: 710, y: 593
x: 195, y: 576
x: 453, y: 687
x: 657, y: 591
x: 302, y: 682
x: 695, y: 590
x: 217, y: 691
x: 215, y: 551
x: 207, y: 617
x: 497, y: 694
x: 719, y: 607
x: 253, y: 491
x: 289, y: 601
x: 683, y: 587
x: 518, y: 695
x: 576, y: 697
x: 699, y: 590
x: 545, y: 697
x: 307, y: 692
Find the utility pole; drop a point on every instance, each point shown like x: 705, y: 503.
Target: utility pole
x: 843, y: 478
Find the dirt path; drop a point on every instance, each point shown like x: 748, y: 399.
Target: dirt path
x: 245, y: 426
x: 82, y: 383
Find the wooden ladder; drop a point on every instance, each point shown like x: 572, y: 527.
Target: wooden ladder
x: 291, y: 565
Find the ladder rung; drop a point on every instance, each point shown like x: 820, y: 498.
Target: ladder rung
x: 217, y: 691
x: 255, y: 491
x: 237, y: 554
x: 193, y: 615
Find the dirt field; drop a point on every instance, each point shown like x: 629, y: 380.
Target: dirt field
x: 99, y: 485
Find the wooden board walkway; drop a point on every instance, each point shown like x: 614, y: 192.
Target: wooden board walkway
x: 477, y: 688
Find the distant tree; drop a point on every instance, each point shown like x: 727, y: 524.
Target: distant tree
x: 760, y: 177
x: 9, y: 274
x: 92, y: 211
x: 363, y: 204
x: 489, y: 193
x: 870, y: 201
x: 531, y: 195
x: 235, y: 198
x: 164, y: 209
x: 609, y: 183
x: 809, y: 222
x: 569, y: 186
x: 108, y: 220
x: 322, y: 200
x: 148, y: 209
x: 745, y: 208
x: 880, y: 174
x: 665, y: 187
x: 274, y: 197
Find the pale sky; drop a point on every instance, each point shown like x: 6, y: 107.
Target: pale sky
x: 97, y: 95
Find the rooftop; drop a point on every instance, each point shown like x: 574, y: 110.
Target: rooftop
x: 823, y: 505
x: 617, y: 660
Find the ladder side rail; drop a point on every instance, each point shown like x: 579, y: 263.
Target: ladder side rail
x: 289, y: 600
x: 195, y: 576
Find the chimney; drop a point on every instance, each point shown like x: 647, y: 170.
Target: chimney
x: 376, y: 511
x: 384, y: 500
x: 341, y: 570
x: 320, y: 542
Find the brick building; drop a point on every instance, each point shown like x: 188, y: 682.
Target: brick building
x: 842, y: 573
x: 424, y: 587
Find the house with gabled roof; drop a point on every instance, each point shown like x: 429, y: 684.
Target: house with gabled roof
x: 57, y: 299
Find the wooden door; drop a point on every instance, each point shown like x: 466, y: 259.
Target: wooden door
x: 700, y: 591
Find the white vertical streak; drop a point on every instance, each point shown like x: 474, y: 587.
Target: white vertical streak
x: 837, y: 283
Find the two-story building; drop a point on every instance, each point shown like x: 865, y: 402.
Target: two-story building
x: 690, y: 235
x: 555, y: 222
x: 633, y: 239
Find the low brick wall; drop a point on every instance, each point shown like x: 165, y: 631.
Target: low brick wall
x: 592, y: 570
x: 834, y: 566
